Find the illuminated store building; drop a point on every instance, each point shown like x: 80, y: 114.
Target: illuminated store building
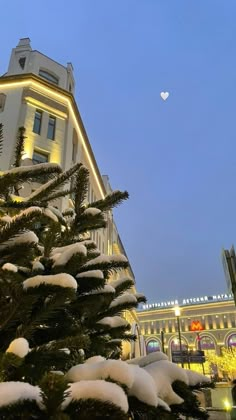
x: 206, y: 323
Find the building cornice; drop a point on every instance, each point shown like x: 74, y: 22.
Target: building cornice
x: 27, y: 78
x: 185, y: 308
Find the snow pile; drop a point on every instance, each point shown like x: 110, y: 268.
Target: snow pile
x: 13, y: 392
x: 62, y: 280
x: 123, y: 299
x: 143, y: 387
x: 164, y: 374
x: 98, y: 274
x: 99, y: 390
x: 106, y: 289
x: 63, y: 257
x: 10, y: 267
x: 19, y: 346
x: 147, y: 360
x: 113, y: 322
x: 114, y: 369
x: 92, y: 211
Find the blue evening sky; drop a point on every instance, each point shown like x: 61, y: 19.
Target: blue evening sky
x: 176, y: 158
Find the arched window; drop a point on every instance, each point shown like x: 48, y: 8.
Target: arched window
x: 153, y: 345
x: 232, y: 340
x: 207, y: 344
x: 175, y: 345
x: 49, y: 76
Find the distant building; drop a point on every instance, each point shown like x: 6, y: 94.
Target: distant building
x: 207, y: 323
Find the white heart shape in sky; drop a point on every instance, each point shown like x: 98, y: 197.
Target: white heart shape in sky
x: 164, y: 95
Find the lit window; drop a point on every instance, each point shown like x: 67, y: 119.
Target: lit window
x: 48, y: 76
x: 51, y: 127
x: 40, y: 157
x: 37, y: 121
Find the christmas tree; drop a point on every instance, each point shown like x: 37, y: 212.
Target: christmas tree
x: 61, y: 310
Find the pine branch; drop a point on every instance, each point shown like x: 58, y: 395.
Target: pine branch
x: 9, y: 179
x: 50, y: 187
x: 19, y: 224
x: 57, y: 195
x: 119, y: 309
x: 87, y: 222
x: 81, y: 187
x: 110, y: 201
x: 121, y: 287
x: 19, y: 150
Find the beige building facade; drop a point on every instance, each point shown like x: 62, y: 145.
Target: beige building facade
x: 37, y: 93
x: 206, y: 323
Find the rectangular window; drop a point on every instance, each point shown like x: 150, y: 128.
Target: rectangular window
x: 37, y: 121
x: 40, y: 157
x: 51, y: 128
x: 48, y: 76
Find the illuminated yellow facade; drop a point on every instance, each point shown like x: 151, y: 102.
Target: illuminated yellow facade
x: 34, y: 91
x: 36, y: 86
x: 207, y: 323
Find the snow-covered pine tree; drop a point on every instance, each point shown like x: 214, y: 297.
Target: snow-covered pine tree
x: 58, y: 308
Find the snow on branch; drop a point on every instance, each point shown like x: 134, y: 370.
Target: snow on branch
x: 164, y: 374
x: 62, y: 280
x: 62, y: 249
x: 92, y: 211
x: 143, y: 387
x: 113, y: 322
x: 33, y: 169
x: 98, y: 274
x: 64, y: 257
x: 26, y: 237
x: 195, y: 378
x: 97, y: 390
x: 19, y: 346
x: 106, y: 289
x: 14, y: 392
x: 117, y: 370
x: 121, y: 281
x: 106, y: 259
x: 147, y: 360
x: 123, y: 299
x: 10, y: 267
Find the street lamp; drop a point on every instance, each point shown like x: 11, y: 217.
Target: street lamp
x: 177, y: 314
